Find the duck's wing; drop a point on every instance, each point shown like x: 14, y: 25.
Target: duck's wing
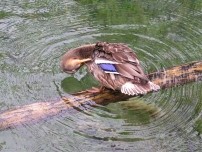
x: 118, y: 58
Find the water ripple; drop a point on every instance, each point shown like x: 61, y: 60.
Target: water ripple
x: 34, y: 35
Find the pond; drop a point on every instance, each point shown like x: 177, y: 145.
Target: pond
x: 34, y: 34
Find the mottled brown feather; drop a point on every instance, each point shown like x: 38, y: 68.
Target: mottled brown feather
x: 129, y: 64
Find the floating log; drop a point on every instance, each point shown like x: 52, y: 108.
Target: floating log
x: 35, y: 112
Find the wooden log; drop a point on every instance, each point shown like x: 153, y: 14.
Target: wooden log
x: 171, y: 77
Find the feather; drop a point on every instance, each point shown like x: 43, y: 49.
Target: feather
x: 112, y: 76
x: 122, y: 70
x: 130, y: 71
x: 103, y: 60
x: 153, y: 86
x: 108, y: 68
x: 133, y: 89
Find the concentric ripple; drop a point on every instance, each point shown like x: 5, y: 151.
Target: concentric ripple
x: 35, y: 34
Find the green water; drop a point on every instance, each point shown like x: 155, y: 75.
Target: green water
x: 34, y: 34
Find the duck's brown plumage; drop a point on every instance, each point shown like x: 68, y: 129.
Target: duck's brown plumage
x: 114, y: 65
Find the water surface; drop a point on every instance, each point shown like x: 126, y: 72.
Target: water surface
x: 34, y: 34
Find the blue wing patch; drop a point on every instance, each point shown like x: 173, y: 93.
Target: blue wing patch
x: 107, y: 67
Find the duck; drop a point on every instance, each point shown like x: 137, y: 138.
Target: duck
x: 114, y: 65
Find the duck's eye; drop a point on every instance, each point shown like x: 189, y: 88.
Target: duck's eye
x: 75, y: 58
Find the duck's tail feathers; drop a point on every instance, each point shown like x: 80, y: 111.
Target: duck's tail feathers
x: 136, y: 89
x: 153, y: 86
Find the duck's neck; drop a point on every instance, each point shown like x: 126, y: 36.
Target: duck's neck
x: 87, y: 51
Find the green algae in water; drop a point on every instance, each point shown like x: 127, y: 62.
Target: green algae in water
x: 4, y: 14
x: 198, y: 126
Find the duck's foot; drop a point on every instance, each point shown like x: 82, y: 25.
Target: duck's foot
x: 95, y: 90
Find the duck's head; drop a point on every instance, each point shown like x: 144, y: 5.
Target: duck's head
x: 75, y: 58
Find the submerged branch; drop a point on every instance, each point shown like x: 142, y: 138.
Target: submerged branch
x: 171, y: 77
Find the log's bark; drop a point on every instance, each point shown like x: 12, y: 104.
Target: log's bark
x: 42, y: 110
